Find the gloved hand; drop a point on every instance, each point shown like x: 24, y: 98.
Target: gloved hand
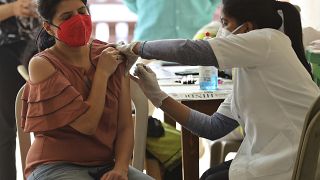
x: 126, y: 49
x: 148, y: 82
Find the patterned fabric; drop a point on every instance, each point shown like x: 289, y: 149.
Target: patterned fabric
x: 15, y: 29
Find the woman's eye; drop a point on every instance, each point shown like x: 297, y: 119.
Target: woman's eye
x: 65, y: 17
x: 223, y: 22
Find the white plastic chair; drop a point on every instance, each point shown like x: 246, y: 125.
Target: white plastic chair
x: 140, y: 102
x: 307, y: 157
x: 140, y: 129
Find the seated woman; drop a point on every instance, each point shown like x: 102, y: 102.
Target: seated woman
x: 77, y: 101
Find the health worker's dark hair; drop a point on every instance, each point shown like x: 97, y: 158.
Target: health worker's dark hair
x: 264, y: 14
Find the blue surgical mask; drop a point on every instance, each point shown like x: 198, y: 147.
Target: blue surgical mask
x: 223, y: 32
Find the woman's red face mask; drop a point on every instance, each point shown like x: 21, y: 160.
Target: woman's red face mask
x: 75, y: 31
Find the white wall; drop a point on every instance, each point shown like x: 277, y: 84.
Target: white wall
x: 310, y: 12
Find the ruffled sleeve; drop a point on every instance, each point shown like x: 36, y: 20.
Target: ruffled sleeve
x: 50, y: 104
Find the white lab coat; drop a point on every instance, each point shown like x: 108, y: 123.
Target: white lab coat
x: 271, y: 96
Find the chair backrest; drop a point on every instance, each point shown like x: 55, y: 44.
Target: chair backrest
x: 23, y: 72
x: 140, y: 131
x: 308, y: 152
x: 140, y: 102
x: 24, y: 138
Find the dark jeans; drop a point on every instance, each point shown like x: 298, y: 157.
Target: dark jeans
x: 219, y: 172
x: 10, y: 83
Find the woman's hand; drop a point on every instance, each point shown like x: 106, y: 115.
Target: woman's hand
x: 24, y: 8
x: 131, y: 52
x: 109, y: 61
x: 115, y: 175
x: 148, y: 82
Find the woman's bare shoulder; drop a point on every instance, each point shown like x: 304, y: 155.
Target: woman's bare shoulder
x: 40, y: 69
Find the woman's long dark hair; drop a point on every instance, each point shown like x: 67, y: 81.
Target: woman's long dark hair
x: 264, y: 14
x: 47, y: 9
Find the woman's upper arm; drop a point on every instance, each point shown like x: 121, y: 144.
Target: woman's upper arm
x: 40, y: 69
x: 125, y: 102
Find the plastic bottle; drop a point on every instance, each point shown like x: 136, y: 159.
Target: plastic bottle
x: 208, y: 75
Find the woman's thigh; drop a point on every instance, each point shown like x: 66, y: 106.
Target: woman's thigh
x: 61, y: 171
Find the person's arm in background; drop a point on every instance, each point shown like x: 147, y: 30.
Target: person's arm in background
x: 17, y: 8
x: 6, y: 11
x: 132, y: 5
x: 124, y: 142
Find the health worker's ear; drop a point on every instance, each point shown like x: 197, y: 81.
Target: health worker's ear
x: 247, y: 26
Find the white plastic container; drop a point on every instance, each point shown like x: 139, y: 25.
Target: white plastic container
x: 208, y: 75
x: 208, y: 78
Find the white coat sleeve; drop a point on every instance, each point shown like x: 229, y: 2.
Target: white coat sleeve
x: 225, y: 107
x: 241, y: 50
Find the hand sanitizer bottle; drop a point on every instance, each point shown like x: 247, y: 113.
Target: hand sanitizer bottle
x: 208, y: 75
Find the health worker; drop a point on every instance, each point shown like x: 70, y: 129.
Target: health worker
x: 272, y: 91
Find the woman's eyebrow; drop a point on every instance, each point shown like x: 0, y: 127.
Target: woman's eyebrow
x: 70, y: 12
x: 65, y: 13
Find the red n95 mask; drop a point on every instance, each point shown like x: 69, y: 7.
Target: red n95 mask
x: 75, y: 31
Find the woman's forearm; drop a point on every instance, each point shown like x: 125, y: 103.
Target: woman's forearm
x: 123, y: 149
x: 6, y: 11
x: 124, y: 142
x: 188, y: 52
x: 88, y: 122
